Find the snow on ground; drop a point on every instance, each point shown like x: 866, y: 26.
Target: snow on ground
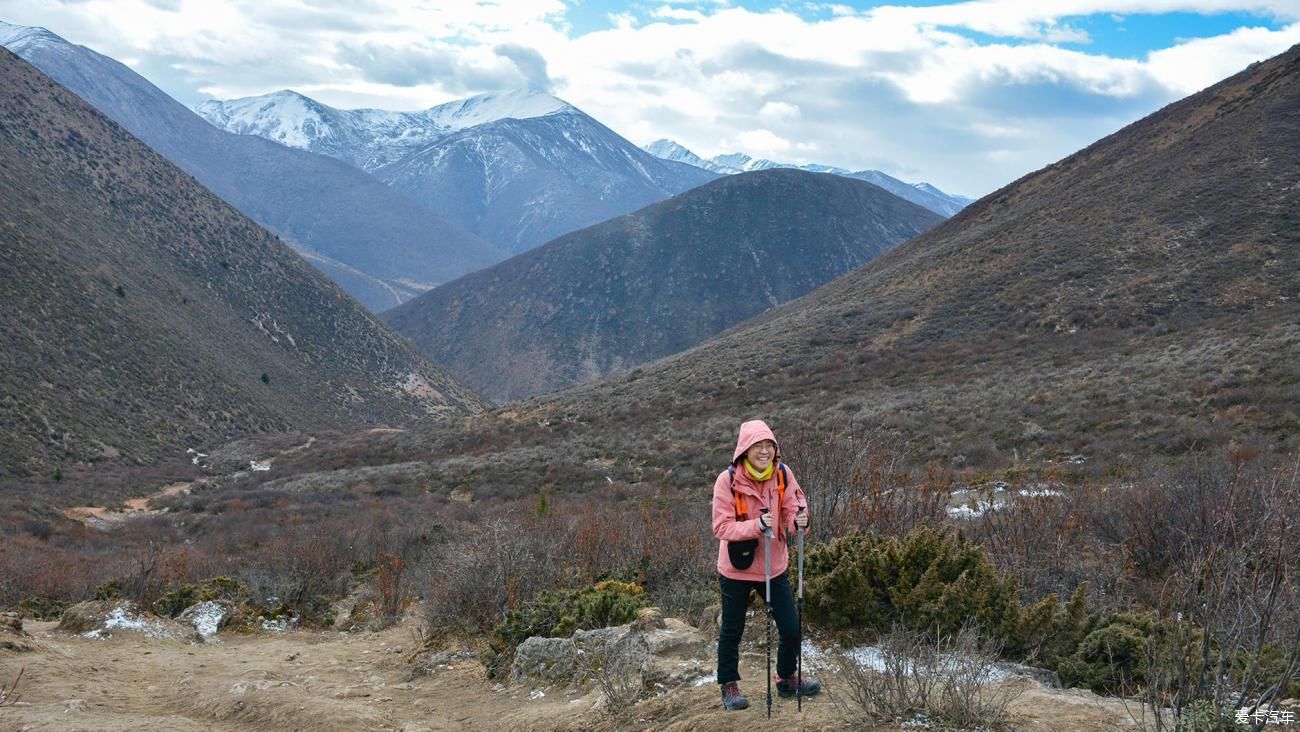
x: 872, y: 658
x: 975, y: 508
x: 121, y: 617
x: 206, y: 617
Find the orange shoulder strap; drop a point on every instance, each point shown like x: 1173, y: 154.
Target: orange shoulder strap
x: 780, y: 484
x: 736, y: 498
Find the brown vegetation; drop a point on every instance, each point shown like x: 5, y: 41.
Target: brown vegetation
x: 144, y: 316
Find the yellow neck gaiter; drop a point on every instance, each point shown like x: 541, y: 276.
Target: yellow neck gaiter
x: 757, y: 475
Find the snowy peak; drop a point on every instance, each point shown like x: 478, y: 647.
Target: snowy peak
x: 18, y: 38
x: 922, y: 194
x: 286, y: 117
x: 738, y: 162
x: 484, y: 108
x: 669, y: 150
x: 368, y: 138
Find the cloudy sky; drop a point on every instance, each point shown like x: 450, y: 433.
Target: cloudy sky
x: 966, y: 95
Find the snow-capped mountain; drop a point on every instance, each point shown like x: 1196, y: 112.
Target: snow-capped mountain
x: 21, y: 38
x: 380, y: 247
x: 922, y: 194
x: 669, y: 150
x: 522, y: 182
x: 518, y: 168
x: 364, y: 137
x: 483, y: 108
x: 367, y: 138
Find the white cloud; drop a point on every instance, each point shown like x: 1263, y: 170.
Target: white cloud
x: 671, y: 13
x: 761, y: 144
x: 904, y: 89
x: 1196, y: 64
x: 774, y: 112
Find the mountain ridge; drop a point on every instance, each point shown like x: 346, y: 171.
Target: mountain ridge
x: 654, y: 282
x: 517, y: 168
x: 1136, y: 297
x: 314, y: 202
x: 367, y: 138
x: 144, y: 315
x: 922, y: 194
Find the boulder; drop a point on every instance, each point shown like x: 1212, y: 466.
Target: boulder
x: 207, y: 617
x: 544, y: 659
x: 1041, y: 676
x: 648, y: 618
x: 672, y: 654
x: 103, y: 618
x: 12, y: 636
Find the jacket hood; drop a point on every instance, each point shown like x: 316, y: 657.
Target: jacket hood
x: 750, y: 433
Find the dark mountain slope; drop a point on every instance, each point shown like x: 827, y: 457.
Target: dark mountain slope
x: 1142, y: 295
x: 142, y: 315
x: 383, y: 247
x: 655, y: 282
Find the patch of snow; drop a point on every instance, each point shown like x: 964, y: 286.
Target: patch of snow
x: 871, y: 657
x: 121, y: 618
x: 259, y: 466
x: 280, y: 624
x: 537, y: 694
x: 206, y: 617
x: 1038, y: 492
x: 710, y: 679
x: 975, y: 509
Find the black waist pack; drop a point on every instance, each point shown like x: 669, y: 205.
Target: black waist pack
x: 741, y: 553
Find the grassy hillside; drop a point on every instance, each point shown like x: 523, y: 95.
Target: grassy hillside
x: 143, y: 315
x: 655, y: 282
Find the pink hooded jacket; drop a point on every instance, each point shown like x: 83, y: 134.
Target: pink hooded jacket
x: 728, y: 528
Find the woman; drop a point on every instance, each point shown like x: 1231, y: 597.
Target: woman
x: 757, y: 493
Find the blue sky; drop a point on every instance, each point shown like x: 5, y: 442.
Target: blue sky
x: 967, y: 95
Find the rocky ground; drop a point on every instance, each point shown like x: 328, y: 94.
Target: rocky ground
x: 124, y: 678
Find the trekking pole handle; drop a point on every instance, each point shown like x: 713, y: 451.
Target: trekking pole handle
x: 797, y: 528
x: 767, y: 530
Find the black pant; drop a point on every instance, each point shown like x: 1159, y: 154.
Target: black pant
x: 735, y: 598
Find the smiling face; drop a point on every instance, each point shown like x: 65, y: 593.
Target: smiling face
x: 761, y: 454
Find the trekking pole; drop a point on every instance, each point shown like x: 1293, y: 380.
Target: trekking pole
x: 798, y: 530
x: 767, y: 594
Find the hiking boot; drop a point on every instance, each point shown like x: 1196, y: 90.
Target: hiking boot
x: 790, y: 687
x: 731, y: 698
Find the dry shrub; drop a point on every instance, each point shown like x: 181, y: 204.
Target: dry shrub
x: 488, y: 569
x: 33, y: 570
x: 1233, y: 583
x: 9, y: 694
x: 1052, y: 539
x: 859, y: 480
x: 618, y: 671
x: 951, y: 681
x: 389, y: 583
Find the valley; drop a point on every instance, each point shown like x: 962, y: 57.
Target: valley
x: 1049, y: 438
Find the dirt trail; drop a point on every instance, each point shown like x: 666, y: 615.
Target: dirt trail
x: 105, y: 517
x: 304, y: 680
